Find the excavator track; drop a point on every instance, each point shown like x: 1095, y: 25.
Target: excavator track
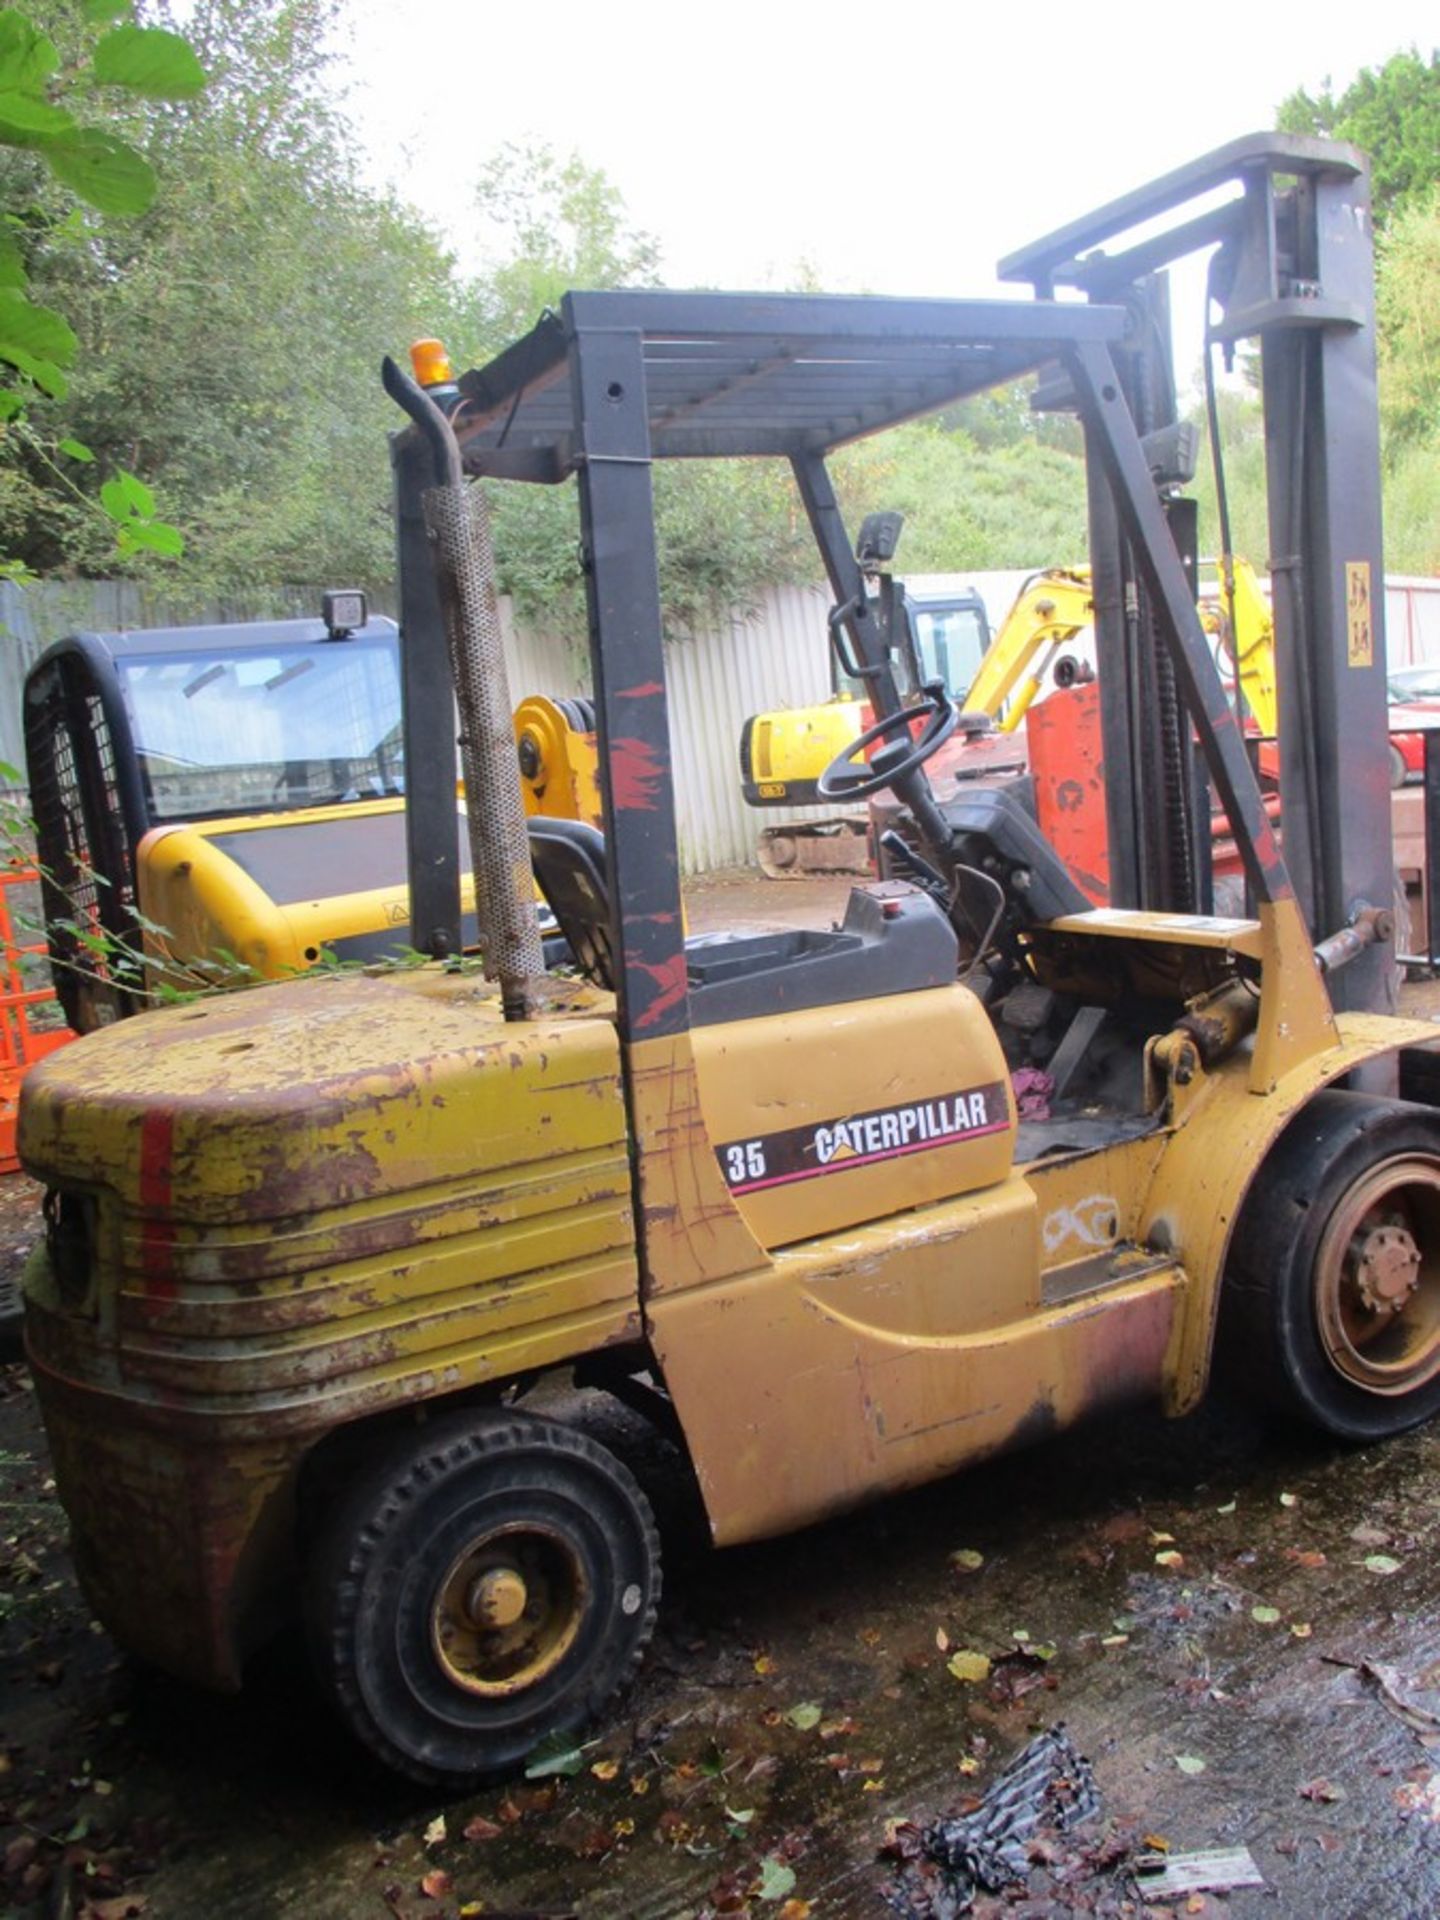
x: 815, y: 846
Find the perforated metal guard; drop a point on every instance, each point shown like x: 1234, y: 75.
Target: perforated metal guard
x: 459, y: 524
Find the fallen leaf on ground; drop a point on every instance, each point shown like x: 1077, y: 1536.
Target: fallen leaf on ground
x: 805, y: 1716
x: 776, y: 1879
x: 1321, y: 1790
x: 1190, y: 1763
x: 764, y: 1664
x: 1419, y: 1796
x: 436, y: 1884
x: 435, y: 1832
x: 1289, y: 1499
x: 1369, y: 1536
x: 1307, y: 1557
x: 605, y: 1769
x: 969, y: 1666
x: 1169, y: 1558
x: 1122, y: 1527
x: 1381, y: 1563
x: 967, y: 1560
x: 482, y: 1829
x: 557, y: 1754
x: 1265, y: 1616
x: 942, y: 1640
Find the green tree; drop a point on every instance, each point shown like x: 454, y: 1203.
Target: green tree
x: 1392, y: 113
x: 967, y: 505
x: 1408, y: 315
x: 234, y: 329
x: 555, y: 224
x: 1408, y: 309
x: 58, y: 144
x: 724, y: 529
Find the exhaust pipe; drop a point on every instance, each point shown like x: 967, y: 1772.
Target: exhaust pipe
x: 458, y: 520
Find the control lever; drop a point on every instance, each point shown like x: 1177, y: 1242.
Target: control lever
x: 916, y: 866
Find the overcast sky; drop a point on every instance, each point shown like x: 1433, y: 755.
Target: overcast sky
x: 896, y: 149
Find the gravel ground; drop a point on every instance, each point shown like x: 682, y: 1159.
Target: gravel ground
x: 1239, y: 1626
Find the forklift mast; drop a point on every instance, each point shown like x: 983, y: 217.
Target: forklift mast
x: 1293, y: 269
x: 617, y: 380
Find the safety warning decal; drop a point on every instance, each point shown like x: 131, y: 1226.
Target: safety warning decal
x: 862, y: 1139
x: 1359, y: 632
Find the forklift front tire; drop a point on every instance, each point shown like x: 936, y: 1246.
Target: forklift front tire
x: 489, y: 1579
x: 1332, y: 1290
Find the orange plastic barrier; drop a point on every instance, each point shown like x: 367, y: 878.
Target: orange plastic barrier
x: 21, y: 1042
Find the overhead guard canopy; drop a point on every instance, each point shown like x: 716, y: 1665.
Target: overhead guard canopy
x: 729, y: 375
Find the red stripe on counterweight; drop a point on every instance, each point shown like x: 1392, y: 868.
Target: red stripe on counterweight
x: 157, y: 1143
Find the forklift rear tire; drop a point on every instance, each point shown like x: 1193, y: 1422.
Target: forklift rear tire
x: 489, y: 1579
x: 1332, y: 1289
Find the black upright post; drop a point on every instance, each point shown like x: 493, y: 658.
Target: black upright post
x: 1432, y: 851
x: 432, y: 828
x: 622, y: 588
x: 1115, y: 672
x: 1323, y: 455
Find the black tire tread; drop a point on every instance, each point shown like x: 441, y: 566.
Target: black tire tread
x: 1333, y: 1138
x: 375, y: 1500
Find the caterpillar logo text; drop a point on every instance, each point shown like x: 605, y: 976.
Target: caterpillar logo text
x: 860, y: 1140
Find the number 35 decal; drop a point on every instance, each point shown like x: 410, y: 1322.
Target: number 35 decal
x: 745, y: 1162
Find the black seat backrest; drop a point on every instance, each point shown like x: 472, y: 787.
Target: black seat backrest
x: 894, y: 939
x: 995, y: 817
x: 569, y: 861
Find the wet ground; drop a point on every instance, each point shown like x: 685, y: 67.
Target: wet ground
x: 1239, y: 1626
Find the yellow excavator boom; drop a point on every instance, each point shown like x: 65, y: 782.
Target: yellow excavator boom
x: 1050, y: 609
x: 1249, y: 640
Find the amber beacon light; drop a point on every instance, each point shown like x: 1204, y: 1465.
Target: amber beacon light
x: 431, y: 363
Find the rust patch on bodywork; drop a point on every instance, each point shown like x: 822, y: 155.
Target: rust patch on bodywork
x: 637, y: 774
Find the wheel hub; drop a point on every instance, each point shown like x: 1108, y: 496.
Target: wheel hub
x: 497, y: 1598
x: 1385, y: 1264
x: 1377, y: 1278
x: 508, y: 1610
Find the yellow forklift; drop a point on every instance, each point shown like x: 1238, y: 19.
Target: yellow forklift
x: 310, y: 1248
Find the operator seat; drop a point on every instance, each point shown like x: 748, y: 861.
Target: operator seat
x: 894, y: 939
x: 569, y: 861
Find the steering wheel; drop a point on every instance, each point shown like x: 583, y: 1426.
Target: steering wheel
x: 843, y: 780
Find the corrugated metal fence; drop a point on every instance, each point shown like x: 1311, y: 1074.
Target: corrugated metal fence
x: 718, y: 678
x: 773, y: 657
